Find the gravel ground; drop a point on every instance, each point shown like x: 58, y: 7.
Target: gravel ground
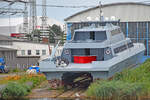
x: 9, y: 74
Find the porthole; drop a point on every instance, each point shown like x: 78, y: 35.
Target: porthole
x: 108, y: 51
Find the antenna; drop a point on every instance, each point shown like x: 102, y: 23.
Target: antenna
x: 25, y: 18
x: 100, y: 10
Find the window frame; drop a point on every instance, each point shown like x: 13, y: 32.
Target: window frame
x: 44, y: 52
x: 87, y: 51
x: 23, y: 53
x: 120, y: 48
x: 30, y: 52
x: 37, y: 52
x: 92, y: 35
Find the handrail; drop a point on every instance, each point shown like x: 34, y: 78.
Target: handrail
x: 54, y: 50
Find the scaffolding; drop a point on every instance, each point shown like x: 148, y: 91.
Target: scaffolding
x: 11, y: 9
x: 33, y: 17
x: 44, y: 26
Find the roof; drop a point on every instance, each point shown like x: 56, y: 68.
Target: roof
x: 5, y: 38
x: 106, y: 5
x: 101, y: 28
x: 7, y: 49
x: 23, y: 1
x: 28, y: 41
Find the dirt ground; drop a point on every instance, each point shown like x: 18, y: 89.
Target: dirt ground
x: 44, y: 91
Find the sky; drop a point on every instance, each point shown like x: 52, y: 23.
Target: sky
x: 61, y: 13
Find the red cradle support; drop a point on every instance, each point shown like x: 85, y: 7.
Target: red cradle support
x: 84, y: 59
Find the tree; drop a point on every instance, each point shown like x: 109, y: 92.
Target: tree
x: 55, y: 32
x: 34, y: 33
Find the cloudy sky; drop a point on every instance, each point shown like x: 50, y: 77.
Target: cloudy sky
x: 61, y: 13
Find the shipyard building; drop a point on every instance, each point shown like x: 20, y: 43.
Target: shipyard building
x: 20, y: 53
x: 134, y: 19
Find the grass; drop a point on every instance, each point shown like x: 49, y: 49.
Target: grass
x: 140, y: 74
x: 131, y: 83
x: 115, y: 90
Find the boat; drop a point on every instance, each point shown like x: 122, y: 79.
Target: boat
x: 98, y: 52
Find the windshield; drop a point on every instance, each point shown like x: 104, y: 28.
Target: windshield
x: 90, y: 35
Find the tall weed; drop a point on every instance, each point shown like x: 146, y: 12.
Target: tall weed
x: 129, y: 83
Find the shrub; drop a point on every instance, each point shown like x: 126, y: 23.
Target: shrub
x: 15, y: 70
x: 15, y: 90
x: 35, y: 79
x: 114, y: 89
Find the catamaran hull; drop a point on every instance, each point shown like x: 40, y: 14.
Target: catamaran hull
x: 132, y: 61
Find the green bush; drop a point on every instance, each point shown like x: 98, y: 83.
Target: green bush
x: 15, y: 90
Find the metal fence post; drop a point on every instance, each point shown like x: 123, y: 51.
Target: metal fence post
x: 137, y: 31
x: 69, y: 31
x: 127, y: 29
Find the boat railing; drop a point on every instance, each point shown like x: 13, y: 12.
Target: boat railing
x: 86, y: 41
x: 56, y: 51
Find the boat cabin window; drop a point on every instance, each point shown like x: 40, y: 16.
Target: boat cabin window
x: 130, y: 44
x: 120, y: 49
x: 124, y: 47
x: 81, y: 36
x: 90, y: 35
x: 100, y: 35
x: 116, y: 31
